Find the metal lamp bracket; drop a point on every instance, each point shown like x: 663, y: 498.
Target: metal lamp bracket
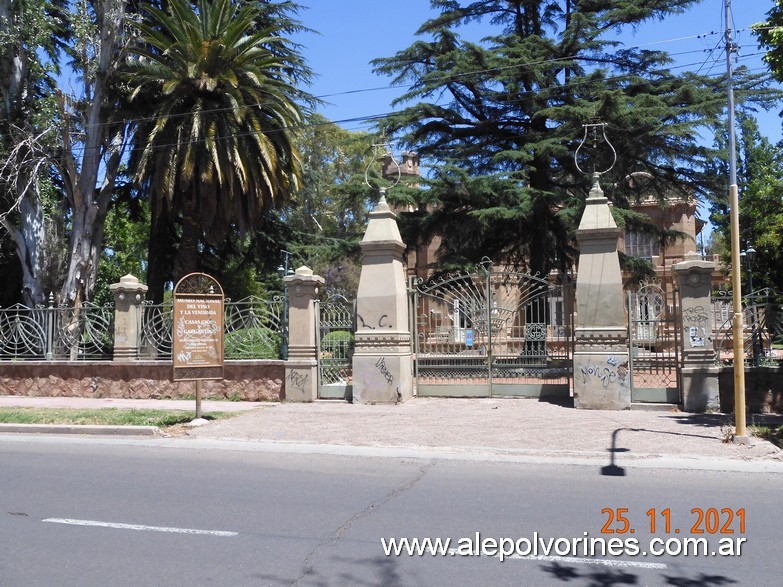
x: 595, y: 130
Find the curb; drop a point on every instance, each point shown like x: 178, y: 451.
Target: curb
x: 81, y: 429
x: 475, y: 454
x: 482, y: 454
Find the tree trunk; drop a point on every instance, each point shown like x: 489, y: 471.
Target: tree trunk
x: 159, y: 255
x: 89, y: 203
x: 187, y: 253
x: 30, y: 239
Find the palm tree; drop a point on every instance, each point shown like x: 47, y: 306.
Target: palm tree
x: 216, y: 144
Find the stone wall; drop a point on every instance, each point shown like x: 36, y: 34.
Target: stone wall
x: 763, y: 390
x: 243, y: 380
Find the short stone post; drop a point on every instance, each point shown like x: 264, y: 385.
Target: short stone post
x: 382, y: 360
x: 301, y: 368
x: 601, y: 378
x: 128, y: 296
x: 699, y: 374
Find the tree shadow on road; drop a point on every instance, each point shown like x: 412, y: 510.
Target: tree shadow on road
x: 592, y: 578
x: 701, y: 580
x: 604, y: 577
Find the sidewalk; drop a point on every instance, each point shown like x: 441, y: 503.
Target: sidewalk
x: 499, y: 427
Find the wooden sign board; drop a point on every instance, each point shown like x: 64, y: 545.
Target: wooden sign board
x: 197, y: 329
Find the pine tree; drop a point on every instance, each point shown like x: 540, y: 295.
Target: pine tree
x: 500, y: 120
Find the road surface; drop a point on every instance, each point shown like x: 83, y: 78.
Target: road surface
x: 96, y: 513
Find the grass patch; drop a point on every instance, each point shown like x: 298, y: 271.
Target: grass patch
x: 103, y: 417
x: 774, y: 435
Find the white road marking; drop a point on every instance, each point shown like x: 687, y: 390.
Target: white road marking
x: 137, y: 527
x: 577, y: 560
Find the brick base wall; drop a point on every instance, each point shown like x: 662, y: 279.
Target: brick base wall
x: 243, y: 380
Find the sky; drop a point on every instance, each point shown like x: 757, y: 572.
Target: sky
x: 353, y: 32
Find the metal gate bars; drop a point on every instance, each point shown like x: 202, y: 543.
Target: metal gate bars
x: 336, y: 324
x: 491, y: 332
x: 653, y: 346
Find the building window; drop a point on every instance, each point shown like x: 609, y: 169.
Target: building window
x: 641, y: 245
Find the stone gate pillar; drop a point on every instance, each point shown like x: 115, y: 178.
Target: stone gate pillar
x: 699, y: 373
x: 382, y: 360
x: 128, y: 296
x: 601, y: 378
x: 301, y: 368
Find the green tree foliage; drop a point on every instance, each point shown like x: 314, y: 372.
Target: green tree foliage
x: 33, y: 34
x: 215, y: 150
x: 500, y: 120
x: 125, y: 242
x: 760, y: 183
x: 328, y: 216
x: 770, y: 36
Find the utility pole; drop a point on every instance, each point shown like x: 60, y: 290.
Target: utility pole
x: 740, y: 435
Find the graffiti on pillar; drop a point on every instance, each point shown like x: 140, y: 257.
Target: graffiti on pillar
x: 364, y: 324
x: 695, y: 315
x: 381, y: 322
x: 695, y: 322
x: 614, y: 373
x: 380, y: 364
x: 298, y: 380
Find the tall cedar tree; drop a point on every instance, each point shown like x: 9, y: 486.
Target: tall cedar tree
x: 501, y: 118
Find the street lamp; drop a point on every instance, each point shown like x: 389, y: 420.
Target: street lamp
x: 750, y: 255
x: 283, y: 271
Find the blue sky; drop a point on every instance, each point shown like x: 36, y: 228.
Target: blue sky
x: 353, y: 32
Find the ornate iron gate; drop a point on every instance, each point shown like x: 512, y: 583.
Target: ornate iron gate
x: 491, y: 333
x: 653, y: 346
x: 334, y: 332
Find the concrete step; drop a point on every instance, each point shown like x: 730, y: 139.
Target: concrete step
x: 649, y: 407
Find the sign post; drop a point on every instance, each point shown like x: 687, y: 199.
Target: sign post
x: 197, y: 331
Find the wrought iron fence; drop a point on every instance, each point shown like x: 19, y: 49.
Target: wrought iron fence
x: 253, y: 329
x: 56, y: 332
x: 155, y: 332
x: 762, y: 328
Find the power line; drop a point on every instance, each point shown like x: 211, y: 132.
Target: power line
x: 382, y: 116
x: 445, y: 76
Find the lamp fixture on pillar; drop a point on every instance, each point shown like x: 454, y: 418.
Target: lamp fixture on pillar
x: 283, y: 271
x: 595, y: 135
x: 381, y: 153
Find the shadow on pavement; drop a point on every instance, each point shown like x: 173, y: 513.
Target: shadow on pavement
x: 614, y: 470
x: 563, y: 402
x: 704, y: 420
x: 719, y: 420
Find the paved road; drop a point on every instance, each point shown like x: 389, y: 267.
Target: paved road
x: 80, y: 512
